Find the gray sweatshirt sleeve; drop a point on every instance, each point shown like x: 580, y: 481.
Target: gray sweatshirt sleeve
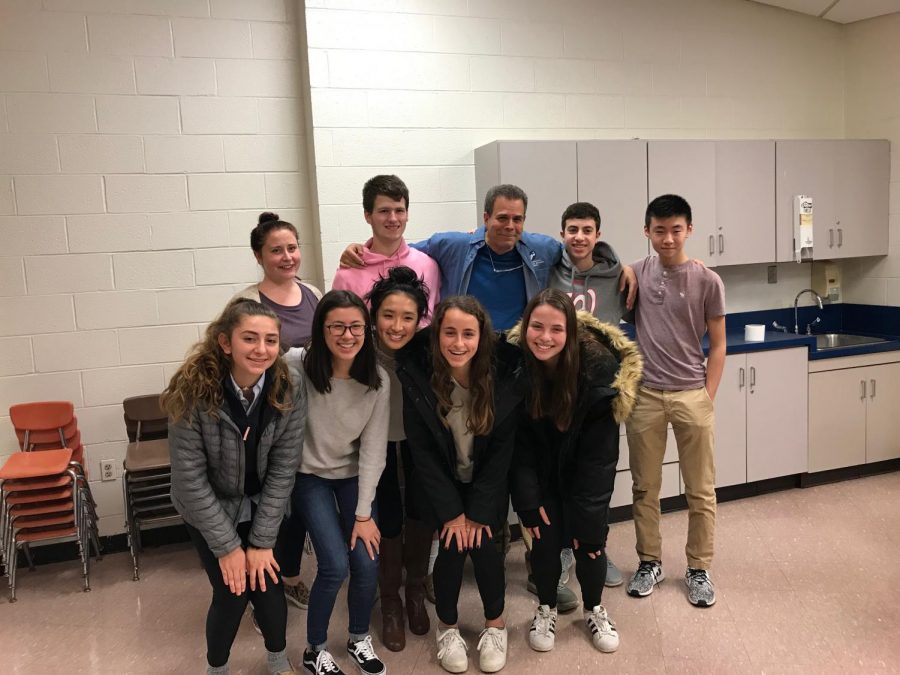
x: 373, y: 447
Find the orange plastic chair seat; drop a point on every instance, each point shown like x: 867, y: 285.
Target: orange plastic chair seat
x: 36, y: 464
x: 42, y: 508
x: 36, y: 497
x: 24, y: 536
x: 29, y: 484
x: 44, y: 521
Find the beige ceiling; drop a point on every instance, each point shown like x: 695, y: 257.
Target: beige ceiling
x: 841, y: 11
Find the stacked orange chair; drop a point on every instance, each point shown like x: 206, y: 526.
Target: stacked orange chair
x: 147, y: 475
x: 41, y: 427
x: 42, y: 500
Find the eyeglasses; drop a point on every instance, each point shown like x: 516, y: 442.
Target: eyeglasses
x: 338, y: 329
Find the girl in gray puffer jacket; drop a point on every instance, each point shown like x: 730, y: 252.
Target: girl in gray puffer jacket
x: 236, y: 420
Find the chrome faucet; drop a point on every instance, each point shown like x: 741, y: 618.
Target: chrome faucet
x: 818, y: 300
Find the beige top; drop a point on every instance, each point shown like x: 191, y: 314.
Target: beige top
x: 464, y: 440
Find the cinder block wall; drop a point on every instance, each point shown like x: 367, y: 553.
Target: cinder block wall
x: 138, y: 143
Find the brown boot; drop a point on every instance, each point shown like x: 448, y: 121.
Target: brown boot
x: 415, y: 557
x: 390, y: 571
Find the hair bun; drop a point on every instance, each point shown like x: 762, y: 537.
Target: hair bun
x: 267, y: 216
x: 402, y: 275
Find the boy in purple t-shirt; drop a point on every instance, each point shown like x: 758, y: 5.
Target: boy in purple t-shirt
x: 680, y: 300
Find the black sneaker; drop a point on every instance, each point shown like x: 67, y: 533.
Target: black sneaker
x: 363, y: 654
x: 320, y: 663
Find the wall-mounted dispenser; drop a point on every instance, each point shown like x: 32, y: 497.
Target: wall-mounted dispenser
x: 803, y: 228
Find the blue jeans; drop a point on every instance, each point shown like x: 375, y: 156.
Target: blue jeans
x: 328, y: 507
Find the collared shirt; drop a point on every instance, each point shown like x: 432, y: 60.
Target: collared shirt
x: 256, y: 389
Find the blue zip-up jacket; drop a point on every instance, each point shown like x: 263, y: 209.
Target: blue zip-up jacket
x: 455, y: 254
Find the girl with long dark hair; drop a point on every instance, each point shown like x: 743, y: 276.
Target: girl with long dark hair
x: 583, y: 378
x: 343, y: 458
x: 461, y: 405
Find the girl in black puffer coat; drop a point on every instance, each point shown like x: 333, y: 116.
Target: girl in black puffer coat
x: 584, y: 377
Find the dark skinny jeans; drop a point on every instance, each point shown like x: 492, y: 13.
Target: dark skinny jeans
x: 546, y: 566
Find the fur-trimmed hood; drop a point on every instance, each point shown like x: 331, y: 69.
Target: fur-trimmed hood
x: 595, y: 338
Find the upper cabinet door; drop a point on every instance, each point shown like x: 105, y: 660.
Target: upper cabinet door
x: 862, y: 186
x: 546, y: 170
x: 612, y: 175
x: 805, y: 168
x: 688, y: 168
x: 745, y: 202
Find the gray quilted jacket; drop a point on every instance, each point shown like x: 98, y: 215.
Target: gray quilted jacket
x: 208, y: 472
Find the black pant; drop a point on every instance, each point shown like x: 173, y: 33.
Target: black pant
x: 226, y: 609
x: 394, y: 504
x: 289, y: 545
x: 546, y: 566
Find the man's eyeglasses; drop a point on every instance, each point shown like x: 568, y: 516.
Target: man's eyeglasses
x: 338, y: 329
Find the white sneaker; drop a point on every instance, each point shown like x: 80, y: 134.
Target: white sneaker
x: 603, y: 631
x: 492, y: 650
x: 542, y: 635
x: 452, y: 651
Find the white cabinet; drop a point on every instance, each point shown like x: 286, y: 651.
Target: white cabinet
x: 688, y: 169
x: 849, y: 181
x: 730, y: 186
x: 761, y: 410
x: 853, y: 416
x: 546, y: 170
x: 612, y: 175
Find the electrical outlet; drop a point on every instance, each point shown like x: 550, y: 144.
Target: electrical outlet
x: 107, y: 469
x: 772, y: 274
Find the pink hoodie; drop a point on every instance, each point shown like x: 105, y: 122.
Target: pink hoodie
x: 360, y: 281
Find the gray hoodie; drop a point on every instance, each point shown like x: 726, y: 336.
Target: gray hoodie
x: 595, y: 290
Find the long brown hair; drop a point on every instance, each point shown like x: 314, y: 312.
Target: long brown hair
x: 481, y: 379
x: 197, y: 384
x: 553, y: 393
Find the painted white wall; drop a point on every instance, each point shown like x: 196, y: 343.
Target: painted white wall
x: 873, y: 111
x: 414, y: 86
x: 138, y: 143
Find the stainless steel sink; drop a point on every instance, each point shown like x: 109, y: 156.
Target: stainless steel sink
x: 838, y: 340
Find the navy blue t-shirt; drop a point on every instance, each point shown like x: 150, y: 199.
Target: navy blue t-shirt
x: 498, y: 281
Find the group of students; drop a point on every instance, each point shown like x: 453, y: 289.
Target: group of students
x: 374, y: 417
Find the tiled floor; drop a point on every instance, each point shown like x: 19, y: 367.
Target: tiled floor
x: 808, y: 582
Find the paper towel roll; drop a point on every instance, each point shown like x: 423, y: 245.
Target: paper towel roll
x: 754, y: 332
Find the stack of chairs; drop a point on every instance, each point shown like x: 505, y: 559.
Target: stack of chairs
x: 45, y: 496
x: 147, y: 475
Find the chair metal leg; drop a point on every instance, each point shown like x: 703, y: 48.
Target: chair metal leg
x: 26, y: 549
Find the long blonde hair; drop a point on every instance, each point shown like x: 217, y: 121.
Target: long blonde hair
x: 481, y: 380
x: 197, y: 384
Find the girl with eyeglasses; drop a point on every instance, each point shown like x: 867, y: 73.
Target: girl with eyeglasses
x: 461, y: 399
x: 236, y: 421
x: 343, y: 458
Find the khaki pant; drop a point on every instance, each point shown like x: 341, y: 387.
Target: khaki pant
x: 691, y: 415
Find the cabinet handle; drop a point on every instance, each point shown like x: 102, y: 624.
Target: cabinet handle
x: 741, y: 376
x: 840, y: 237
x: 872, y: 383
x: 752, y: 378
x: 830, y: 238
x: 712, y: 245
x: 721, y: 244
x: 862, y: 390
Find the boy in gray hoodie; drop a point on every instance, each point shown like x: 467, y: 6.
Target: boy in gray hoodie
x: 589, y: 269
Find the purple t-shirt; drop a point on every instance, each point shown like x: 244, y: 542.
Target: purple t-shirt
x: 674, y: 306
x: 296, y: 321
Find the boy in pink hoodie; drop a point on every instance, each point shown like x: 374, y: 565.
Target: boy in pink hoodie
x: 386, y: 209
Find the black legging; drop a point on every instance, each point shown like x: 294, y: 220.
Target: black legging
x: 226, y: 608
x: 392, y: 505
x: 291, y: 538
x: 546, y: 566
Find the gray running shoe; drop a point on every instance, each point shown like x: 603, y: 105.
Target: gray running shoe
x: 648, y: 574
x: 566, y: 600
x: 701, y: 592
x: 613, y: 575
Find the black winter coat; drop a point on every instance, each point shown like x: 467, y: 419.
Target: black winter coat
x: 433, y: 449
x: 578, y: 465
